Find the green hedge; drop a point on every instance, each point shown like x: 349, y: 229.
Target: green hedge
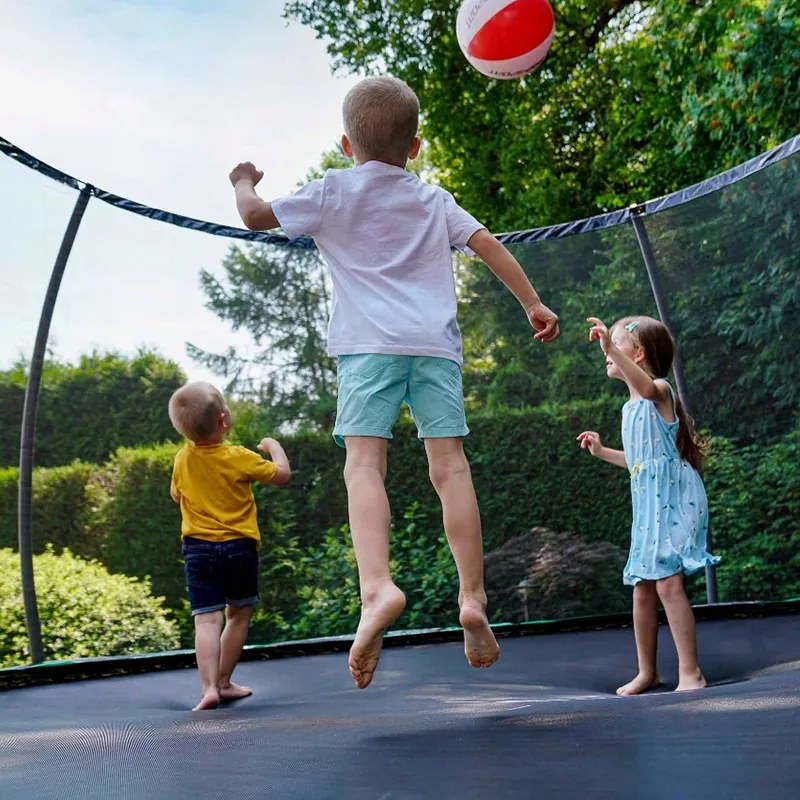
x: 528, y: 472
x: 64, y: 513
x: 140, y: 520
x: 89, y: 409
x: 754, y: 513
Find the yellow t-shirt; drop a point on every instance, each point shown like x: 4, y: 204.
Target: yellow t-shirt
x: 212, y: 484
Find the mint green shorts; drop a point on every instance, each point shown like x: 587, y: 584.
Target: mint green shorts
x: 373, y: 387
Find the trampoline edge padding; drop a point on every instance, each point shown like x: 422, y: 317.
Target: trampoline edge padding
x: 113, y: 666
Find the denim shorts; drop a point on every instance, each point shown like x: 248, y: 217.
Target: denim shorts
x: 373, y: 387
x: 220, y: 574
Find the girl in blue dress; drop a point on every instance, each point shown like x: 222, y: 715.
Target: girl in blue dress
x: 670, y: 510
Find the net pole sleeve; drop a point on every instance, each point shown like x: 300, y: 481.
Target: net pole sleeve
x: 27, y: 436
x: 654, y: 276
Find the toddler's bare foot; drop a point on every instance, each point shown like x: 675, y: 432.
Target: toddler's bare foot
x: 210, y: 700
x: 232, y: 691
x: 480, y: 646
x: 694, y: 680
x: 376, y: 616
x: 643, y: 682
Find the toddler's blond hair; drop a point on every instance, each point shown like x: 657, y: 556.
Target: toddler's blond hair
x: 194, y: 410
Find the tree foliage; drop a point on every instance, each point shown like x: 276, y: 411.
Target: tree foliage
x: 636, y: 99
x: 281, y: 297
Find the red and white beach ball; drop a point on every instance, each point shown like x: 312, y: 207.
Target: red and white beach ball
x: 505, y: 38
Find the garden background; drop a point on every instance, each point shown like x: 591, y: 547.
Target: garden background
x: 636, y: 100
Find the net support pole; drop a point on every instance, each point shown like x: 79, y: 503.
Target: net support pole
x: 29, y: 411
x: 654, y: 276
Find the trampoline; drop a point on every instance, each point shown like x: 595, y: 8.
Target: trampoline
x: 543, y: 722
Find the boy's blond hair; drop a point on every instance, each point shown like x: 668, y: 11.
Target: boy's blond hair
x: 381, y: 116
x: 194, y: 410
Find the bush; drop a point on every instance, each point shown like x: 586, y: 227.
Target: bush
x: 566, y: 576
x: 754, y: 499
x: 84, y: 610
x: 421, y: 565
x: 327, y: 589
x: 9, y: 482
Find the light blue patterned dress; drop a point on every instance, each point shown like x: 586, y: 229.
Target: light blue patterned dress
x: 670, y: 509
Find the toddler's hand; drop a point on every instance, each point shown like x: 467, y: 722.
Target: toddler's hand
x: 599, y: 333
x: 544, y: 321
x: 590, y: 440
x: 266, y: 445
x: 245, y: 171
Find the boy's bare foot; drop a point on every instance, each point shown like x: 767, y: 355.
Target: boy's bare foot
x: 695, y: 680
x: 382, y: 611
x: 641, y: 683
x: 234, y: 692
x: 480, y: 646
x: 210, y: 700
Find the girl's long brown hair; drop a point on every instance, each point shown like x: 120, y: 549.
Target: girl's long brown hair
x: 659, y: 351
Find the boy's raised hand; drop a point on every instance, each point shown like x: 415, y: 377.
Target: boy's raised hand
x: 599, y: 333
x: 544, y: 321
x: 245, y: 171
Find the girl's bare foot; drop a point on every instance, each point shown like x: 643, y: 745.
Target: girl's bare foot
x: 694, y: 680
x: 232, y: 691
x: 376, y: 617
x: 210, y: 700
x: 480, y: 646
x: 641, y: 683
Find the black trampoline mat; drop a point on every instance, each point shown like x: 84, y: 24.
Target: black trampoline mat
x: 542, y: 723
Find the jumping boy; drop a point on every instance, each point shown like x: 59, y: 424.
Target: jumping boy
x: 220, y: 536
x: 387, y: 237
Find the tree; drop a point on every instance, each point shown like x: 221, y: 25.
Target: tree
x: 89, y: 409
x: 635, y: 100
x: 281, y: 297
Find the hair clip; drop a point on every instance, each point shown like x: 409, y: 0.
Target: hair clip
x: 631, y: 325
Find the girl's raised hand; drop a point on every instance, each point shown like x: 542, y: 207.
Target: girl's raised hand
x: 599, y: 333
x: 590, y: 440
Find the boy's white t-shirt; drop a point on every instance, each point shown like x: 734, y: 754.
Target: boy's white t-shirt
x: 386, y: 237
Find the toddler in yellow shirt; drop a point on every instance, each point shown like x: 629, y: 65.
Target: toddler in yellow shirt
x: 220, y: 537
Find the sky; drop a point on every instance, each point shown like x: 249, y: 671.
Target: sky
x: 154, y: 100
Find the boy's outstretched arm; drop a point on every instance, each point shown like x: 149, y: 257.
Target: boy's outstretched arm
x: 256, y: 213
x: 507, y: 268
